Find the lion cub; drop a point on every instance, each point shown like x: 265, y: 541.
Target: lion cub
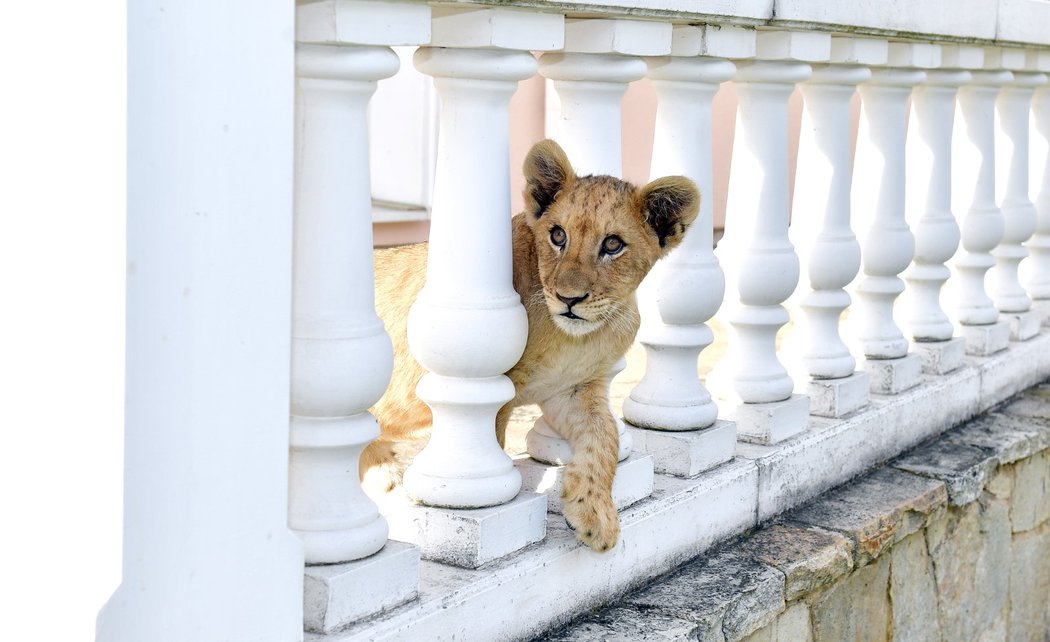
x: 581, y: 247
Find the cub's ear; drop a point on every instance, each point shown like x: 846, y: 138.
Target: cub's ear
x: 547, y: 172
x: 669, y: 206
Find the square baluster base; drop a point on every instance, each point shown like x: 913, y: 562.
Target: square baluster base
x: 470, y: 537
x: 838, y: 397
x: 633, y: 480
x: 986, y: 340
x: 335, y: 595
x: 940, y: 357
x: 1023, y: 325
x: 1042, y: 306
x: 767, y: 423
x: 687, y: 453
x: 894, y: 376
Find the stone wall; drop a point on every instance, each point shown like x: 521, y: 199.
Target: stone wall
x: 950, y: 542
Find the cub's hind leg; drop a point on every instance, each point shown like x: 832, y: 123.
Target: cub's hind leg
x: 584, y: 419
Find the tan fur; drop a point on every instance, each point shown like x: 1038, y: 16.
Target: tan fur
x: 566, y: 361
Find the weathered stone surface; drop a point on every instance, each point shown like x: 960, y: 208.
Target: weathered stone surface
x: 622, y: 624
x: 963, y: 468
x: 877, y: 510
x: 970, y: 549
x: 1030, y: 586
x: 1030, y: 500
x: 790, y: 626
x: 1033, y: 403
x: 856, y: 608
x: 1001, y: 483
x: 809, y: 557
x: 913, y: 594
x: 726, y: 587
x: 1009, y: 438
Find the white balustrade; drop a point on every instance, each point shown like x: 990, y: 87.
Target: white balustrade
x: 929, y: 213
x: 878, y: 208
x: 820, y: 227
x: 1038, y: 281
x: 685, y: 289
x: 1019, y: 216
x: 973, y: 187
x: 760, y: 263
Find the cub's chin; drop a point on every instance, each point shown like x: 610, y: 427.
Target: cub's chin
x: 575, y: 327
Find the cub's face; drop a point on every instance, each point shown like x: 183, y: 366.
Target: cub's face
x: 597, y: 236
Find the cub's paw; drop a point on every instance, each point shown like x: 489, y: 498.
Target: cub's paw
x: 593, y: 516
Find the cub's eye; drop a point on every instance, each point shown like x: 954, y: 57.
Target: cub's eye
x: 612, y: 245
x: 558, y: 236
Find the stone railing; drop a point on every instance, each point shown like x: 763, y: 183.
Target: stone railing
x: 940, y: 198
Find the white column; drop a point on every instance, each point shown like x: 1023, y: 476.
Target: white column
x: 1038, y: 264
x: 929, y: 213
x: 207, y: 553
x: 1019, y: 216
x: 760, y: 263
x: 878, y: 207
x: 973, y: 188
x: 600, y: 58
x: 685, y: 289
x: 821, y: 231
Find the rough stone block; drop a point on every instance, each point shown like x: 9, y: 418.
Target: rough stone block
x: 1042, y: 306
x: 808, y: 557
x: 913, y: 592
x: 941, y: 357
x: 1023, y: 325
x: 876, y: 511
x: 970, y: 549
x: 626, y: 623
x: 1030, y: 500
x: 336, y: 594
x: 726, y: 589
x: 838, y: 397
x: 855, y: 608
x: 985, y: 340
x: 1030, y: 585
x: 688, y: 453
x: 768, y: 423
x: 1008, y: 438
x: 962, y: 467
x: 1033, y: 403
x: 472, y: 537
x: 790, y: 626
x: 894, y: 376
x: 632, y: 483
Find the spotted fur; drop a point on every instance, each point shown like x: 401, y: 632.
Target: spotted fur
x: 582, y: 318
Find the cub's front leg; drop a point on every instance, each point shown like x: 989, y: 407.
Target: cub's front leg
x: 583, y: 418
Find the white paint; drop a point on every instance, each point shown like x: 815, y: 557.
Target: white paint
x: 1023, y: 325
x: 987, y: 339
x: 893, y: 376
x: 760, y: 264
x: 207, y: 553
x: 768, y: 423
x: 341, y: 355
x: 1019, y: 215
x: 631, y: 37
x: 362, y: 22
x: 498, y: 27
x: 468, y: 326
x: 879, y: 176
x: 685, y: 289
x: 973, y: 187
x: 1038, y: 281
x: 805, y: 46
x: 687, y: 453
x: 716, y: 41
x: 940, y: 357
x: 929, y: 204
x: 820, y: 226
x: 838, y: 397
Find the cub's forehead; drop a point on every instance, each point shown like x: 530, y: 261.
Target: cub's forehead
x: 601, y: 195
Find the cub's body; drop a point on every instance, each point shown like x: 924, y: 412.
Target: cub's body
x: 579, y: 252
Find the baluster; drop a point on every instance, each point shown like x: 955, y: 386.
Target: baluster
x: 878, y: 207
x: 590, y: 77
x: 685, y: 289
x: 760, y: 263
x: 341, y: 354
x: 929, y: 211
x: 1019, y: 215
x: 973, y: 186
x: 467, y: 326
x: 820, y: 227
x: 1038, y: 264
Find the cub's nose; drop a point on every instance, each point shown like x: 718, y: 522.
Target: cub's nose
x: 571, y: 301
